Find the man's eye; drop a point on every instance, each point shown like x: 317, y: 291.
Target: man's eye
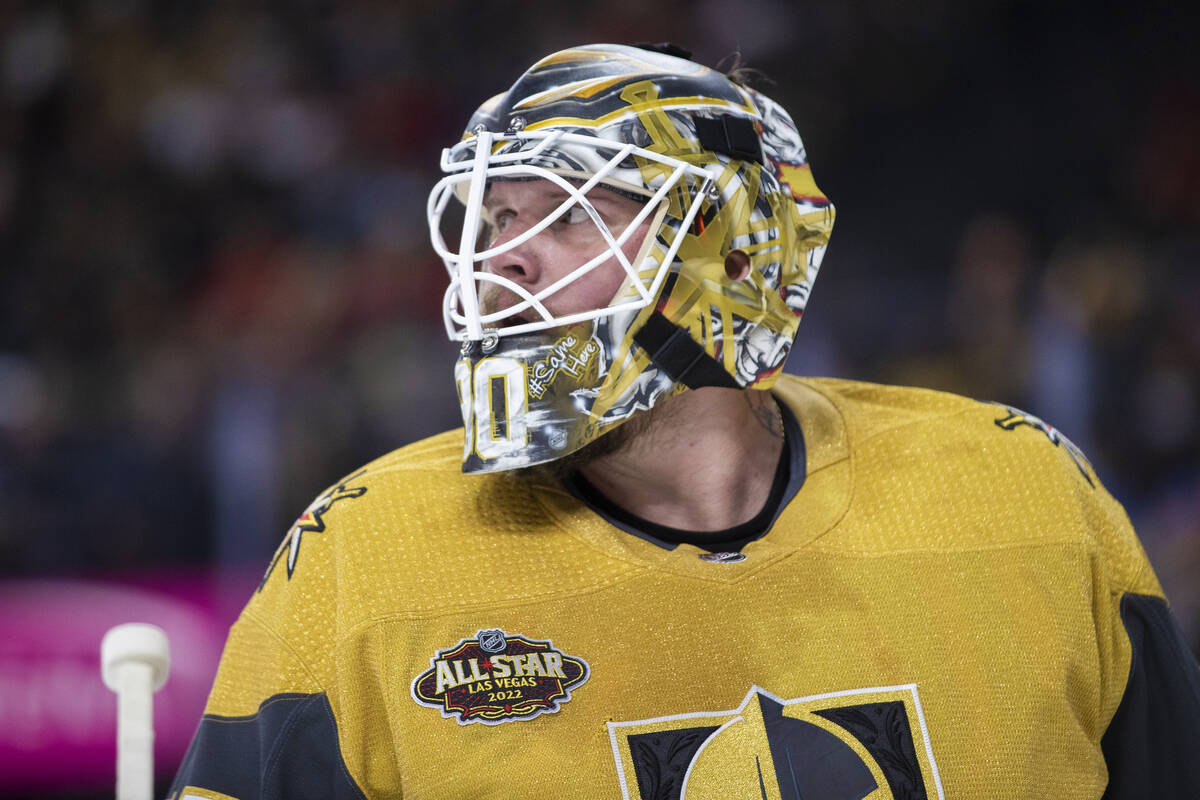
x: 502, y: 220
x: 575, y: 215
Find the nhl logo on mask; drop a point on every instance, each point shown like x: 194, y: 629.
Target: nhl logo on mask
x: 497, y: 677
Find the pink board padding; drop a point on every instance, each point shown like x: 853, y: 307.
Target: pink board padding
x: 57, y: 719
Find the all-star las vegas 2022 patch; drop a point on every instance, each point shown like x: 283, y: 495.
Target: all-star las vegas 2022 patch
x: 497, y: 677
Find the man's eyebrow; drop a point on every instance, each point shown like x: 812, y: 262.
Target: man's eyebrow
x: 553, y: 195
x: 557, y: 194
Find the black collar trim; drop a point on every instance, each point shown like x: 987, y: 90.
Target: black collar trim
x: 789, y: 477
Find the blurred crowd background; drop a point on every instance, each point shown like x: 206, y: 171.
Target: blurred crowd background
x: 217, y: 295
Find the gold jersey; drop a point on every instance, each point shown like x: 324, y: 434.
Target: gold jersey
x: 936, y: 613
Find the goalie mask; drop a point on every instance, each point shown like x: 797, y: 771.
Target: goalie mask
x: 663, y: 167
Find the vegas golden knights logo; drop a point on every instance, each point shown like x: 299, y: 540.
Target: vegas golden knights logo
x: 865, y: 743
x: 1016, y: 418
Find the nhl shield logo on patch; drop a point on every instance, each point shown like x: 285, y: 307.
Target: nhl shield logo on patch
x: 497, y: 677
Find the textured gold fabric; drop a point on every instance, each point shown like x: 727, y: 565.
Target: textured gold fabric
x: 969, y: 572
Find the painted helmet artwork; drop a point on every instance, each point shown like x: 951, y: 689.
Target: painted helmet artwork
x: 712, y: 167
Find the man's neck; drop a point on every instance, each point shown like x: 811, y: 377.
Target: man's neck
x: 704, y: 463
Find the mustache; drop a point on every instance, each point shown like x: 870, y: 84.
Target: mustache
x: 493, y: 299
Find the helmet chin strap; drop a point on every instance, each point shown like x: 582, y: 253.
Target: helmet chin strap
x: 675, y: 352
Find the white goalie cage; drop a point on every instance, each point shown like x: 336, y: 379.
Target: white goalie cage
x: 576, y: 164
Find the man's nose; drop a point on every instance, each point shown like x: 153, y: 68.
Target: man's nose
x: 519, y: 263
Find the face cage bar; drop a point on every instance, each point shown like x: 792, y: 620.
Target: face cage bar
x: 467, y: 325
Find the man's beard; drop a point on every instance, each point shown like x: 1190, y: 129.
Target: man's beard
x: 634, y: 433
x: 489, y: 298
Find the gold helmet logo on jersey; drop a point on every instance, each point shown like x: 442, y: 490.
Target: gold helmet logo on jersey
x: 866, y: 743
